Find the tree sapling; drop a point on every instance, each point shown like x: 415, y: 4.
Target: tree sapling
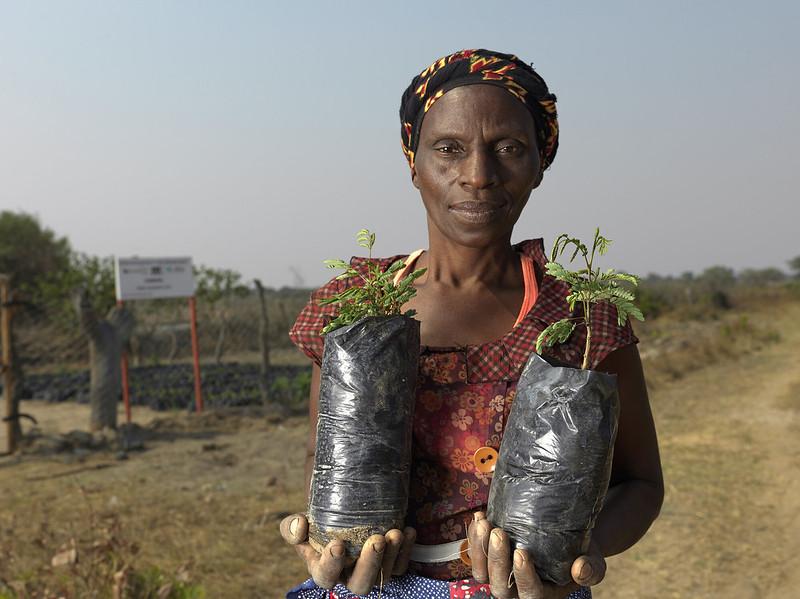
x: 554, y: 463
x: 588, y: 286
x: 359, y: 483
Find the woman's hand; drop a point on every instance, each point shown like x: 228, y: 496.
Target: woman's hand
x: 492, y: 562
x: 382, y: 557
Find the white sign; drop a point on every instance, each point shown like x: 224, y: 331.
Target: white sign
x: 153, y: 278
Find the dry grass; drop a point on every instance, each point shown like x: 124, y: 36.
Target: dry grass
x: 198, y: 508
x: 673, y: 347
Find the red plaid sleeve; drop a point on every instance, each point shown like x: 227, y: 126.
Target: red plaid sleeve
x: 312, y: 318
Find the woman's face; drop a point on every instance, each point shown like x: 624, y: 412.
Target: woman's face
x: 476, y: 164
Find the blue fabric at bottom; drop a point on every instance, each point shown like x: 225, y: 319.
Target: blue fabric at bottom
x: 408, y: 586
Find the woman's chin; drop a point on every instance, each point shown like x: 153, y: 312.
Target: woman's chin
x: 479, y: 235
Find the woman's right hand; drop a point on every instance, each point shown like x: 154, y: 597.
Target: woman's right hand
x: 382, y: 557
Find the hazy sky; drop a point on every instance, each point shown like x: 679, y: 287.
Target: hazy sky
x: 261, y: 136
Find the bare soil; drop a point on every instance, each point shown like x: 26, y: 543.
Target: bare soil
x: 203, y: 501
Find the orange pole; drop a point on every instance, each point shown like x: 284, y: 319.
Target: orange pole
x: 126, y: 396
x: 198, y: 391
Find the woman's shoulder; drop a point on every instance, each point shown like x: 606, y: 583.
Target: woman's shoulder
x: 534, y: 248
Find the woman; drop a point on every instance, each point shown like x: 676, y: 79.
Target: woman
x: 479, y: 129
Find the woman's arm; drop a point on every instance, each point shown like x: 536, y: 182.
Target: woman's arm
x: 636, y: 490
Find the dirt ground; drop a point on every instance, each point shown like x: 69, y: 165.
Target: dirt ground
x: 203, y: 500
x: 730, y: 445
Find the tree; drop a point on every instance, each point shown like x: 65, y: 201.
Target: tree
x: 718, y: 278
x: 107, y: 338
x: 92, y: 273
x: 758, y: 277
x: 28, y: 251
x: 794, y: 264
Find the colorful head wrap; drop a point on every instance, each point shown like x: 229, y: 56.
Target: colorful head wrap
x: 469, y: 67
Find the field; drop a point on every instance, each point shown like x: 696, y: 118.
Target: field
x: 195, y: 513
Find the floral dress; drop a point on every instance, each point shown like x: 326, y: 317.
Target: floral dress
x: 464, y: 396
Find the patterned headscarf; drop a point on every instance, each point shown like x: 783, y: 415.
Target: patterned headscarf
x: 469, y: 67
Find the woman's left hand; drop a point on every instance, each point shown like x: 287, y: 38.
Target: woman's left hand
x: 493, y: 562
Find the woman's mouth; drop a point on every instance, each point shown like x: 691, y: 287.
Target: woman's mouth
x: 476, y: 212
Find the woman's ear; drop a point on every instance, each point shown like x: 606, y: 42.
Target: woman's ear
x: 538, y: 179
x: 414, y: 177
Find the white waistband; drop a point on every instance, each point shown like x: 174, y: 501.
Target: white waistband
x: 436, y: 553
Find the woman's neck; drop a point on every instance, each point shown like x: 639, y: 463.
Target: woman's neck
x: 458, y: 266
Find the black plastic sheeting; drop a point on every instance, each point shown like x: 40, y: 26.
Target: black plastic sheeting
x: 554, y: 463
x: 359, y: 485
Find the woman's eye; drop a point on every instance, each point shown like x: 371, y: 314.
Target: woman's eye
x: 508, y: 148
x: 447, y: 148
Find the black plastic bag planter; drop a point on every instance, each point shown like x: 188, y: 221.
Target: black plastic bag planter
x: 359, y: 485
x: 554, y: 463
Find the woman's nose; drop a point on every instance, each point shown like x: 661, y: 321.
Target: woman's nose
x: 479, y: 170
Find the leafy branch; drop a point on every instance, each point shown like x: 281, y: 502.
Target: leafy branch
x: 377, y: 296
x: 588, y: 286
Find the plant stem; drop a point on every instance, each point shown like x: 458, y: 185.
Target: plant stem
x: 587, y: 304
x: 585, y: 364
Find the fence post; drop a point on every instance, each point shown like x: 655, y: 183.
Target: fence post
x: 263, y: 342
x: 5, y: 364
x: 198, y: 392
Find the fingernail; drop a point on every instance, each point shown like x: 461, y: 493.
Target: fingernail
x: 293, y: 526
x: 497, y: 542
x: 379, y: 547
x: 477, y: 517
x: 586, y: 570
x: 337, y: 551
x: 519, y: 559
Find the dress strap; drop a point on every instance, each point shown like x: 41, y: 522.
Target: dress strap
x: 531, y: 288
x: 409, y: 264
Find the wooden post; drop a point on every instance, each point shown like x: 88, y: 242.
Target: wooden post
x: 5, y: 363
x: 198, y: 392
x: 126, y: 395
x: 263, y: 342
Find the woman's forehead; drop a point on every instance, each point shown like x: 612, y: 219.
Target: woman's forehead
x: 461, y: 108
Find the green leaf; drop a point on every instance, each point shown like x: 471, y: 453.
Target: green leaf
x: 558, y: 332
x: 365, y: 239
x: 623, y: 276
x: 336, y: 264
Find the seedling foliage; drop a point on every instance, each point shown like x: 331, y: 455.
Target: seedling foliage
x: 378, y: 296
x: 588, y: 286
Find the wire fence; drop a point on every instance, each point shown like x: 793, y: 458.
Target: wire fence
x: 245, y: 354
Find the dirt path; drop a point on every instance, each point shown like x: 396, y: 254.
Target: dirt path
x: 730, y: 442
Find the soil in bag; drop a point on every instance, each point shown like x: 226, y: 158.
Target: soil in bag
x: 554, y: 463
x: 359, y: 485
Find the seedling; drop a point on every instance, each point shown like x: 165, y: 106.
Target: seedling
x: 588, y: 286
x: 378, y: 296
